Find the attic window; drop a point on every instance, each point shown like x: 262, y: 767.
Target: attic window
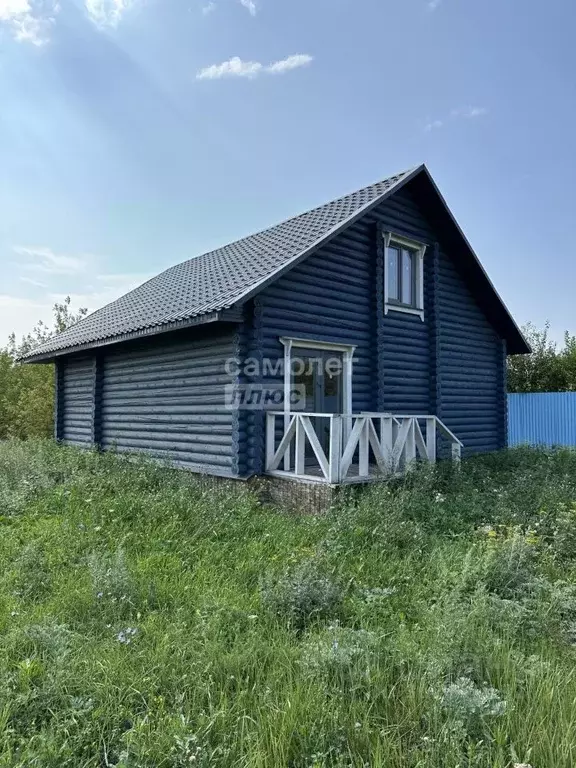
x: 403, y: 275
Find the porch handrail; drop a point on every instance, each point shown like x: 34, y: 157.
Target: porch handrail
x: 299, y: 429
x: 446, y: 431
x: 394, y: 441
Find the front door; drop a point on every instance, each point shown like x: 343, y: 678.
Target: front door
x: 321, y: 373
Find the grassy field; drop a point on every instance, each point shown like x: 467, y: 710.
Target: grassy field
x: 144, y: 622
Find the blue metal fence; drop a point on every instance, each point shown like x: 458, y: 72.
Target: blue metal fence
x: 542, y: 419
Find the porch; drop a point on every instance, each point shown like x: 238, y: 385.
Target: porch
x: 343, y: 449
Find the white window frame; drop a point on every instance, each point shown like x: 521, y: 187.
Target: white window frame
x: 391, y: 239
x: 347, y: 350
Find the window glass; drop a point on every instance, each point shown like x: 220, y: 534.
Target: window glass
x: 304, y: 368
x: 407, y: 278
x: 404, y: 275
x: 331, y: 384
x: 333, y: 376
x: 393, y: 286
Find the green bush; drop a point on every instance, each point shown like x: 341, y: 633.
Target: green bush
x: 27, y: 391
x: 302, y: 594
x: 508, y: 568
x: 466, y: 702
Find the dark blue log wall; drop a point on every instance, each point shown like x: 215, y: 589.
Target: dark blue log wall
x: 452, y: 364
x: 166, y: 395
x: 74, y: 414
x: 162, y: 396
x: 472, y: 376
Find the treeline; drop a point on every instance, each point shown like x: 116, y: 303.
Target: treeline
x: 27, y: 391
x: 549, y: 368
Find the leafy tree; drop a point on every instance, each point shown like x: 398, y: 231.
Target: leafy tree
x: 546, y: 368
x: 27, y: 391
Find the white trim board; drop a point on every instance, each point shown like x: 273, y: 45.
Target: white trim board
x: 317, y: 344
x: 326, y: 346
x: 420, y: 249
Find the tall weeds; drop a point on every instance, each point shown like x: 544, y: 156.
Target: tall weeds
x: 144, y: 622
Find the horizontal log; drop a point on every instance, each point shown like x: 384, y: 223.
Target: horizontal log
x: 209, y: 464
x: 213, y: 443
x: 179, y: 451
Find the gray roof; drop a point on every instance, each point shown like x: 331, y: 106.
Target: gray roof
x: 205, y: 288
x: 216, y: 280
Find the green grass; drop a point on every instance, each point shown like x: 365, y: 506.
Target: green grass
x: 145, y: 622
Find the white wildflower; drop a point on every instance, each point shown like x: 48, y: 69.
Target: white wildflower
x: 378, y: 594
x: 125, y: 636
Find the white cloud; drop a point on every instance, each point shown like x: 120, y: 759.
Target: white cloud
x: 458, y: 113
x: 29, y: 21
x: 209, y: 8
x: 432, y: 124
x: 46, y: 261
x: 19, y: 314
x: 250, y: 6
x: 235, y: 67
x: 11, y: 8
x: 102, y: 290
x: 85, y: 279
x: 107, y: 13
x: 469, y: 112
x: 292, y: 62
x: 433, y: 4
x: 35, y: 283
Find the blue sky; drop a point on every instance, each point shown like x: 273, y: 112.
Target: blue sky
x: 135, y: 134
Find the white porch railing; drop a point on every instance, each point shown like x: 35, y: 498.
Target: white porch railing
x: 354, y: 448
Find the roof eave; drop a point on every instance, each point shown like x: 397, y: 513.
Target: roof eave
x: 229, y: 315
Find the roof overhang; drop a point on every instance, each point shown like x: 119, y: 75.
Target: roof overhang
x: 232, y: 315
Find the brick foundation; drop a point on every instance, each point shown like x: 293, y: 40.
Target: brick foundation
x: 298, y: 498
x: 294, y: 497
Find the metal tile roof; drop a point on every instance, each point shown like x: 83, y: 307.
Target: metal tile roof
x: 216, y: 280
